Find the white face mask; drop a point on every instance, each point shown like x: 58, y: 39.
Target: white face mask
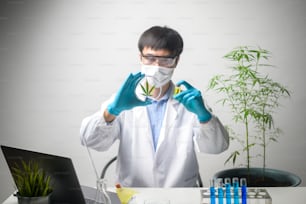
x: 157, y: 76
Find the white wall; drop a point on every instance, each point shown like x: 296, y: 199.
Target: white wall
x: 60, y: 59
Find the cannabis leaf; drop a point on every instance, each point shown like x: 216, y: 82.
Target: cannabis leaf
x: 147, y: 90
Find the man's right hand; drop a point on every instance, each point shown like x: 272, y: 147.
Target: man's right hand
x: 126, y: 98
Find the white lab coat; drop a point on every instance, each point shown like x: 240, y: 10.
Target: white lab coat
x: 174, y: 163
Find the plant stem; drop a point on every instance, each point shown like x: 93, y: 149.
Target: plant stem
x: 247, y: 142
x: 264, y: 139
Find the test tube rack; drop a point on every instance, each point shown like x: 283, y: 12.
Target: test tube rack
x: 254, y: 196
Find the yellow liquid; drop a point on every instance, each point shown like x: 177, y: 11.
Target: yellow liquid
x: 125, y: 194
x: 177, y: 90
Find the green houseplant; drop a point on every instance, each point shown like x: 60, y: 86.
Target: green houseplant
x: 253, y: 98
x: 33, y: 183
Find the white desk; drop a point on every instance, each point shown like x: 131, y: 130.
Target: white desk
x: 281, y: 195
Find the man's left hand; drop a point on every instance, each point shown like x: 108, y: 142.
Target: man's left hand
x: 192, y: 99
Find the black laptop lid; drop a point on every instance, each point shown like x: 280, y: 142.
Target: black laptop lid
x: 66, y: 187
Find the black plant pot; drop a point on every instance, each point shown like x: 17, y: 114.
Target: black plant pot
x: 259, y: 177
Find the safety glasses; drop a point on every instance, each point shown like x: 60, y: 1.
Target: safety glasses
x: 164, y: 61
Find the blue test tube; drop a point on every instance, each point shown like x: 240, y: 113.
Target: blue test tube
x: 220, y: 190
x: 227, y: 180
x: 212, y: 192
x: 236, y: 190
x: 235, y: 180
x: 243, y: 184
x: 228, y: 193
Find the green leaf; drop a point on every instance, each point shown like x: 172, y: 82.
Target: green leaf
x: 147, y: 90
x: 143, y: 88
x: 232, y: 157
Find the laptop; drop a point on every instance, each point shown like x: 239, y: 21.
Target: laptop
x: 66, y: 186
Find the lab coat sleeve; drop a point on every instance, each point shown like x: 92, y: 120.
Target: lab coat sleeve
x: 96, y: 133
x: 211, y: 137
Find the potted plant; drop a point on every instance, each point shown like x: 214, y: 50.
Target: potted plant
x: 253, y: 98
x: 33, y: 183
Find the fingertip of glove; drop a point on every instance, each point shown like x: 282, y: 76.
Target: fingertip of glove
x: 148, y: 101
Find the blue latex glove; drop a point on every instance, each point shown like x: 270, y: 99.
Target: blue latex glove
x: 126, y: 98
x: 192, y: 99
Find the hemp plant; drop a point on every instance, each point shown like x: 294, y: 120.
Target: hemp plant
x: 253, y: 98
x: 147, y: 89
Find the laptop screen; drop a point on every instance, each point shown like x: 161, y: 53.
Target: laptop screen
x: 66, y: 187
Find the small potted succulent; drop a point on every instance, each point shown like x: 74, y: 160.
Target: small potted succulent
x: 34, y: 185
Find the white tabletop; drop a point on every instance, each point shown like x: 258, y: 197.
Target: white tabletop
x: 280, y: 195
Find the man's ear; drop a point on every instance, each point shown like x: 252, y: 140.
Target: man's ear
x: 140, y: 56
x: 177, y: 60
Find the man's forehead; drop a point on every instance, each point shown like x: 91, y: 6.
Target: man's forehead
x: 149, y: 50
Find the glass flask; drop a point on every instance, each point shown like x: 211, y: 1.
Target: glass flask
x: 102, y: 195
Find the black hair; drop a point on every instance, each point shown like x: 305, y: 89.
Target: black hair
x: 158, y: 37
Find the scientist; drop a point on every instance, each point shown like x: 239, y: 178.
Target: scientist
x: 158, y: 135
